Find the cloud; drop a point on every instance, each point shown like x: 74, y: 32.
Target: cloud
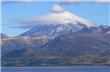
x: 57, y: 9
x: 56, y: 17
x: 101, y: 1
x: 15, y: 1
x: 69, y: 2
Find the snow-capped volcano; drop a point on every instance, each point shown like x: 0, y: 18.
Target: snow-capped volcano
x: 57, y: 16
x: 56, y: 23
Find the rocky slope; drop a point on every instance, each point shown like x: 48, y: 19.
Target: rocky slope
x: 79, y: 48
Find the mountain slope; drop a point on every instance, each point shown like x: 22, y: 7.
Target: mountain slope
x: 17, y: 43
x: 3, y: 35
x: 78, y: 42
x: 53, y: 30
x: 72, y: 49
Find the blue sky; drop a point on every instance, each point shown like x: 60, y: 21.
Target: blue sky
x: 94, y: 12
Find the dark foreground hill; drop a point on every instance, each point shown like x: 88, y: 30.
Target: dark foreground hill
x: 81, y: 48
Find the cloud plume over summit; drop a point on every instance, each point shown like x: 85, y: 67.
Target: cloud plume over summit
x: 57, y: 16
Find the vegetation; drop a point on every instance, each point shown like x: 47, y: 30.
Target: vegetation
x: 73, y: 49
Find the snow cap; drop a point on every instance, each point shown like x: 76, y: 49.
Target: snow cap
x: 57, y: 16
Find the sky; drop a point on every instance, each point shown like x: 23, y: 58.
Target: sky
x: 98, y: 13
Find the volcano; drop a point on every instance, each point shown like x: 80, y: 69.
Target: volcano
x: 58, y: 22
x: 59, y: 38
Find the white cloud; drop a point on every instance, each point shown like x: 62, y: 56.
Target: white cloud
x: 17, y: 0
x: 56, y: 17
x: 57, y: 9
x: 101, y: 1
x: 69, y: 2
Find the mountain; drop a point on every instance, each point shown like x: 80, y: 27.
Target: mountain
x: 79, y: 48
x: 78, y: 43
x: 3, y: 35
x: 20, y: 42
x: 105, y: 28
x: 56, y: 23
x: 16, y: 43
x: 53, y: 30
x: 58, y: 38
